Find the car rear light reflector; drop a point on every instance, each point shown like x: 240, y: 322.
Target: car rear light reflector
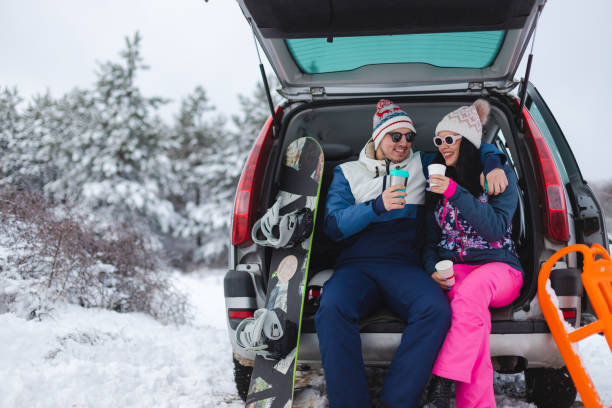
x: 314, y: 293
x: 555, y: 210
x: 569, y: 313
x: 240, y: 314
x: 249, y: 187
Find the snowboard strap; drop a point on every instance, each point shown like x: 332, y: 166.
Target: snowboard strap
x: 255, y: 332
x: 282, y: 231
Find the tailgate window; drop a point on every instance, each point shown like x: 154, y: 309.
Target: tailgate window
x: 446, y: 50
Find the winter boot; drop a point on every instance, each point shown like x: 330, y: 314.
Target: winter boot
x: 440, y: 393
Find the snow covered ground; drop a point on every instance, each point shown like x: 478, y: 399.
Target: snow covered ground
x: 78, y: 358
x: 98, y: 358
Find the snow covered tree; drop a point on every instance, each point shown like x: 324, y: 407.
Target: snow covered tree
x: 194, y: 129
x: 222, y: 173
x: 53, y: 139
x: 31, y: 154
x: 105, y: 149
x: 197, y: 133
x: 125, y: 162
x: 11, y: 124
x: 195, y: 137
x: 10, y: 119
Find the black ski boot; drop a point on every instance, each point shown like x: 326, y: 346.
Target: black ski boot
x: 440, y: 393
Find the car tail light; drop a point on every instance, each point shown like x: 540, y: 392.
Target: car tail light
x: 240, y: 313
x: 249, y: 187
x: 314, y: 293
x: 569, y: 313
x: 555, y: 210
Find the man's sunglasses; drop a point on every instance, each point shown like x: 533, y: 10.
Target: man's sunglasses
x: 449, y: 140
x: 397, y: 136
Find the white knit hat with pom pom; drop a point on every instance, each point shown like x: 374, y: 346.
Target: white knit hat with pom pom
x: 467, y: 121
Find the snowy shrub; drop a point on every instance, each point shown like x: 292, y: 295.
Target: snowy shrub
x: 48, y: 255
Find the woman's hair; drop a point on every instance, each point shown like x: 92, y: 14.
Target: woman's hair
x: 466, y: 172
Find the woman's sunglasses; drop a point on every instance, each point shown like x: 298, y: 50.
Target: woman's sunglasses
x: 397, y: 136
x: 449, y: 140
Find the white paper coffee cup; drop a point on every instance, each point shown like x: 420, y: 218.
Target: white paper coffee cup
x: 445, y: 268
x: 436, y: 168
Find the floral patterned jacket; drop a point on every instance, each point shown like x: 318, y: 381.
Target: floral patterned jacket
x: 470, y: 230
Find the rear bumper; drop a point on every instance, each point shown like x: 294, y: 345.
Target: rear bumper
x: 539, y: 349
x: 529, y: 339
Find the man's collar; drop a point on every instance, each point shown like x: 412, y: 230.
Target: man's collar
x: 368, y: 158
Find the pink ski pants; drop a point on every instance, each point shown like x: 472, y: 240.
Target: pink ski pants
x: 465, y: 356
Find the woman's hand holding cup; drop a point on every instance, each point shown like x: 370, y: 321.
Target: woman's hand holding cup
x: 438, y: 183
x: 444, y: 274
x: 435, y: 169
x: 439, y: 280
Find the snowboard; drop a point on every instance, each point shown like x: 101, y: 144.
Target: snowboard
x: 273, y: 377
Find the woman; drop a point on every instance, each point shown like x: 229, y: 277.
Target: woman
x: 473, y: 230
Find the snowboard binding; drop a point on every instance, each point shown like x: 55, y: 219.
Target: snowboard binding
x: 283, y: 231
x: 268, y: 333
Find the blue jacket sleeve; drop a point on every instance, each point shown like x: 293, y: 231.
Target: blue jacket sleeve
x: 430, y: 254
x: 490, y: 157
x: 490, y: 220
x: 343, y: 217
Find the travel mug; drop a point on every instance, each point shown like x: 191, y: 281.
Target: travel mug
x: 398, y: 177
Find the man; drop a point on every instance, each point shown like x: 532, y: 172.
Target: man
x: 380, y: 230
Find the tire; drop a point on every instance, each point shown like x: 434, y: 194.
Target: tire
x: 242, y: 378
x: 550, y: 387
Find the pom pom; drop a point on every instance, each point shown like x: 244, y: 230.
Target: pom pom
x: 482, y: 108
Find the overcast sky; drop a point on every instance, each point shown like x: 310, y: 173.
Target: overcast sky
x: 55, y: 45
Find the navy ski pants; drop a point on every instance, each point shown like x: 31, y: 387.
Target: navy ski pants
x: 355, y: 291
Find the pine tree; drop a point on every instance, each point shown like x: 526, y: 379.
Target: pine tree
x: 126, y: 163
x: 197, y: 133
x: 62, y: 129
x: 107, y: 150
x: 11, y: 124
x: 104, y: 149
x: 224, y: 169
x: 32, y: 160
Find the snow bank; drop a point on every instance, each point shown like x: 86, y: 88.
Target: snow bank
x: 97, y: 358
x: 597, y: 361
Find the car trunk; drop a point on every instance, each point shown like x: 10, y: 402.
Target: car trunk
x: 343, y: 128
x: 339, y: 48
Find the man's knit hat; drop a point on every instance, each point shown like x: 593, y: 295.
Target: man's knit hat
x: 467, y: 121
x: 387, y: 118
